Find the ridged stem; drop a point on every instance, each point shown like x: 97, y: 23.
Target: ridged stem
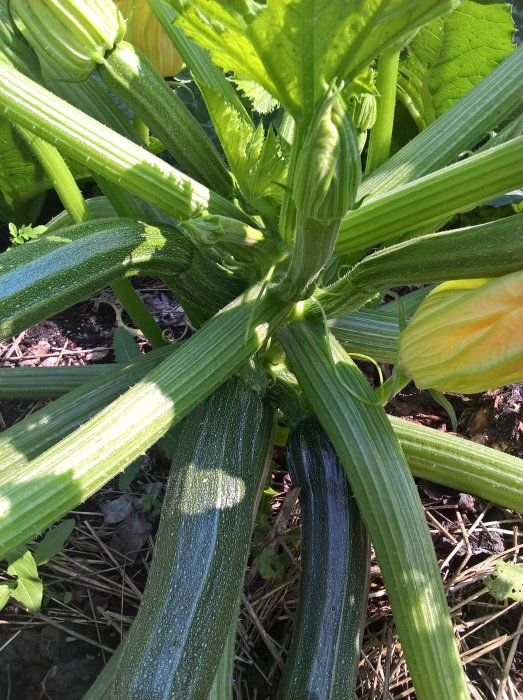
x: 461, y: 464
x: 381, y: 133
x: 65, y: 475
x: 59, y: 174
x: 417, y: 206
x: 493, y: 100
x: 139, y: 313
x: 473, y: 252
x: 46, y: 382
x: 389, y: 504
x: 74, y: 203
x: 107, y: 153
x: 39, y: 431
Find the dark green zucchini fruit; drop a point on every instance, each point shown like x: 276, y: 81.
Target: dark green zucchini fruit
x: 325, y: 645
x: 175, y: 644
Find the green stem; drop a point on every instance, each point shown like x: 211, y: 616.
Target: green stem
x: 313, y: 245
x: 47, y: 382
x: 75, y: 205
x: 104, y: 151
x: 493, y: 100
x: 487, y: 250
x: 59, y: 174
x: 133, y: 304
x: 375, y: 332
x: 288, y: 208
x: 205, y: 73
x: 381, y: 134
x: 78, y: 466
x: 141, y: 128
x: 389, y: 504
x: 419, y: 205
x: 461, y: 464
x: 38, y: 432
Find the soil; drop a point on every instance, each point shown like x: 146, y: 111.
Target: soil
x: 93, y: 586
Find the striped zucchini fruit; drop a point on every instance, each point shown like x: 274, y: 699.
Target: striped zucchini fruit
x: 175, y: 644
x: 332, y: 603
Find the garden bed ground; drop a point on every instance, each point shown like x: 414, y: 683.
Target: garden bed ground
x: 93, y: 587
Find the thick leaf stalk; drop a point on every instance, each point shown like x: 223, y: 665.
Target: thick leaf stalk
x: 389, y: 503
x: 487, y: 105
x: 72, y: 470
x: 422, y: 204
x: 461, y: 464
x: 104, y: 151
x: 486, y: 250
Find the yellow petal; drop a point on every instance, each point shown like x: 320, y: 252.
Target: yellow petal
x: 146, y: 34
x: 466, y: 336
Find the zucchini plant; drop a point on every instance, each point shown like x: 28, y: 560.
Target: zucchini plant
x: 280, y: 232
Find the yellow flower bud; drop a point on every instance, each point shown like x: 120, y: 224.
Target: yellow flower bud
x: 147, y: 34
x: 466, y: 336
x: 73, y: 34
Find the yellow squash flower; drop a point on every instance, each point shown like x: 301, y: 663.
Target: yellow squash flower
x: 466, y: 336
x: 146, y: 34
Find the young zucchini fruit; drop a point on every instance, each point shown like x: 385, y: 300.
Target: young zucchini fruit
x: 332, y: 603
x: 175, y: 644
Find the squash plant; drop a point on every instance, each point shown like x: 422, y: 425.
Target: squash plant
x: 279, y: 244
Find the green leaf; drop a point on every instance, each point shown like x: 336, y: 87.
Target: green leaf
x: 25, y: 233
x: 6, y: 590
x: 128, y: 475
x: 124, y: 345
x: 272, y: 565
x: 506, y: 581
x: 451, y: 54
x: 29, y: 588
x: 53, y: 542
x: 294, y: 48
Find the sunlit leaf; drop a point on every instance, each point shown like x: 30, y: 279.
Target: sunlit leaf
x: 506, y: 581
x: 29, y: 587
x: 294, y: 48
x: 453, y: 53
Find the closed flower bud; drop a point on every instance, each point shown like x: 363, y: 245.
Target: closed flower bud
x: 364, y: 110
x: 72, y: 34
x: 328, y: 168
x: 147, y: 34
x: 466, y: 336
